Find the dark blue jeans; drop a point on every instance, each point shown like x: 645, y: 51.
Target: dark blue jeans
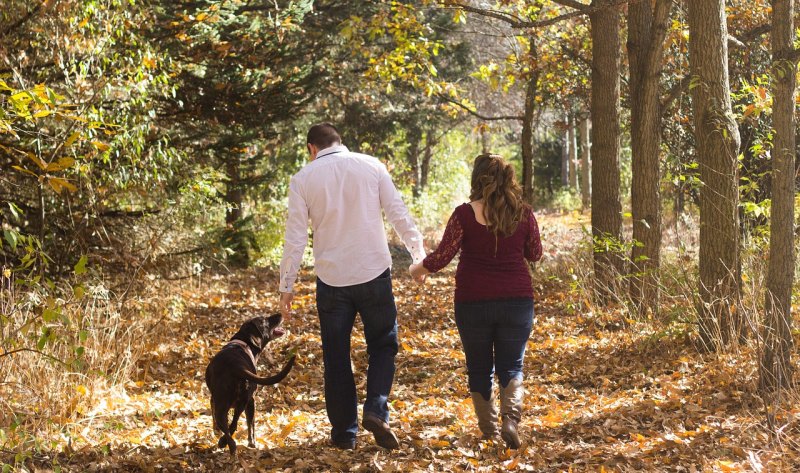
x: 337, y: 308
x: 494, y: 334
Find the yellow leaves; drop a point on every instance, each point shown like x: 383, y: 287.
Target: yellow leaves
x: 37, y: 160
x: 60, y: 165
x: 287, y: 428
x: 59, y: 184
x: 82, y: 390
x: 440, y: 443
x: 729, y: 466
x: 149, y: 62
x: 202, y: 16
x: 72, y: 139
x: 100, y: 145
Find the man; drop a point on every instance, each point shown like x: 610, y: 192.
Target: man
x: 343, y: 194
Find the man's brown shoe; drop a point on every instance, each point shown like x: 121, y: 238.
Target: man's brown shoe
x: 384, y: 436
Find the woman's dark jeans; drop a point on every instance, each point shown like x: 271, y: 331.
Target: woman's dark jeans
x: 494, y: 334
x: 337, y: 308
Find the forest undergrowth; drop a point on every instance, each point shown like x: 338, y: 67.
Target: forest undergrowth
x: 605, y: 391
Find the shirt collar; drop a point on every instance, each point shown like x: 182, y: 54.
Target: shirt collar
x: 332, y: 150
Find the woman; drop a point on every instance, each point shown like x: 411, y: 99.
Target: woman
x: 495, y: 232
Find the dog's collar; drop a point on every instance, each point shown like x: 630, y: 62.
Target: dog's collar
x: 245, y: 346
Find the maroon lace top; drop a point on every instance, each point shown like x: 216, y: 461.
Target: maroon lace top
x: 489, y: 267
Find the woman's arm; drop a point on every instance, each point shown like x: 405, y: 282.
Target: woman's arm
x: 533, y: 245
x: 445, y: 252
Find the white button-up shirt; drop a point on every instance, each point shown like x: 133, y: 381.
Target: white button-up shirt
x: 343, y: 193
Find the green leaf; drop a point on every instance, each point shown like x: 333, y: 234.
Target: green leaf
x: 15, y: 210
x: 49, y: 315
x: 43, y: 339
x: 12, y: 238
x: 80, y: 267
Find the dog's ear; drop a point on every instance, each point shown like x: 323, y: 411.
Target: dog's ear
x: 252, y: 331
x: 274, y: 320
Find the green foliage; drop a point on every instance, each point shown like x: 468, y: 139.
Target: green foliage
x: 449, y: 182
x: 565, y: 200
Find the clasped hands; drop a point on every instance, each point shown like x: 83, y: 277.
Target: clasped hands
x: 418, y: 272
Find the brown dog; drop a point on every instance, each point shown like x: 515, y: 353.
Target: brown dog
x: 232, y: 380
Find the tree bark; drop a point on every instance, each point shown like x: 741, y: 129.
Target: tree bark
x: 233, y: 191
x: 647, y: 27
x: 776, y: 367
x: 414, y: 136
x: 717, y: 138
x: 527, y: 139
x: 606, y: 208
x: 586, y: 192
x: 427, y: 154
x: 234, y: 197
x: 565, y: 156
x: 484, y: 138
x: 573, y: 153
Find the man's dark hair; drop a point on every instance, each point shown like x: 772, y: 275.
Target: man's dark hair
x: 323, y: 135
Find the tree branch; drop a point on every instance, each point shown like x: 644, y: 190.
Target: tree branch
x: 18, y: 350
x: 517, y: 22
x: 21, y: 21
x: 675, y: 91
x: 572, y: 4
x: 479, y: 115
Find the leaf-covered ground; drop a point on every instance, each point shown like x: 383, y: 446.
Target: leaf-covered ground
x: 603, y: 393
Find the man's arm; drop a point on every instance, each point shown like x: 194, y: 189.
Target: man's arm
x: 398, y: 215
x: 294, y: 245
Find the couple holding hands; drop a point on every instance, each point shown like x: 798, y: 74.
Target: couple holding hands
x: 343, y: 194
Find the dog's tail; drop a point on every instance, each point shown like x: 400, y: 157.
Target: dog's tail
x: 252, y: 377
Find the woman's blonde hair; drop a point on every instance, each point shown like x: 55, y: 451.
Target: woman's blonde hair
x: 494, y: 181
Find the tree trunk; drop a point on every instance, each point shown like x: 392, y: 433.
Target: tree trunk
x: 647, y: 27
x: 233, y: 191
x: 586, y: 192
x: 573, y: 153
x: 414, y: 136
x: 565, y: 156
x: 606, y: 208
x: 235, y: 239
x: 776, y: 367
x: 484, y: 127
x: 427, y: 154
x: 527, y: 141
x: 717, y: 138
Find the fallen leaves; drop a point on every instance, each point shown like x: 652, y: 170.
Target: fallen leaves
x: 599, y: 397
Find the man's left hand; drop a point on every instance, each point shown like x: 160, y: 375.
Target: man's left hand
x: 286, y: 303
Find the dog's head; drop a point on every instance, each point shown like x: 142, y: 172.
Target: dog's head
x: 261, y: 330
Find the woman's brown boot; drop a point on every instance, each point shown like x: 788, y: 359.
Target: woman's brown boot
x: 511, y: 412
x: 486, y: 411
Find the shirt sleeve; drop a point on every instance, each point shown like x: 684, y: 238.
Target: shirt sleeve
x: 398, y: 215
x: 448, y: 248
x: 533, y: 245
x: 295, y: 239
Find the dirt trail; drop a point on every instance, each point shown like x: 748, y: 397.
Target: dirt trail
x: 600, y: 397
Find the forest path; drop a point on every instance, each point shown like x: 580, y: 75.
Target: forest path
x: 601, y: 396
